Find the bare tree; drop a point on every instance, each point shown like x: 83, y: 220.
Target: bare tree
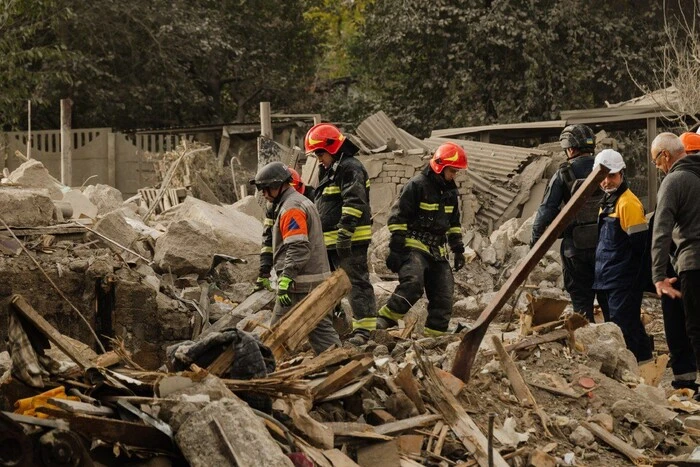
x: 675, y: 85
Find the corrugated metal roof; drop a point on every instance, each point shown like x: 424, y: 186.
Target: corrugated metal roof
x: 507, y: 126
x: 496, y: 161
x: 378, y: 129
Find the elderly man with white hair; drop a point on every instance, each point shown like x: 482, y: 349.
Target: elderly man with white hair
x: 622, y: 242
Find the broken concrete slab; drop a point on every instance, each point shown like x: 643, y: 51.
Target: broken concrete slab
x: 249, y: 206
x: 604, y: 343
x: 82, y: 207
x: 117, y: 226
x: 106, y: 198
x: 200, y: 437
x: 25, y: 207
x: 33, y: 174
x: 187, y: 247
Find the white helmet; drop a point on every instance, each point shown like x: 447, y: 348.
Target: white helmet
x: 610, y: 159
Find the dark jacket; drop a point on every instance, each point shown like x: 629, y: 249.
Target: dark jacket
x: 622, y: 241
x: 342, y: 200
x: 557, y: 194
x: 678, y: 218
x: 426, y: 216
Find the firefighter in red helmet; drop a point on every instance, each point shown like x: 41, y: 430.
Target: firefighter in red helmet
x: 424, y: 223
x: 342, y: 199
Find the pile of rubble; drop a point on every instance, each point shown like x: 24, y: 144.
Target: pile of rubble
x: 195, y: 375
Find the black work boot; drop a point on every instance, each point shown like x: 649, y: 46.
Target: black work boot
x: 359, y: 337
x: 385, y: 323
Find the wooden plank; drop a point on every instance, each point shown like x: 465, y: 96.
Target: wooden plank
x: 119, y: 431
x: 318, y: 363
x: 461, y: 423
x: 379, y: 417
x: 26, y: 310
x: 338, y: 459
x: 616, y: 443
x: 517, y: 382
x: 80, y: 407
x: 347, y: 391
x: 405, y: 380
x: 411, y: 444
x: 407, y: 424
x: 516, y: 379
x: 468, y: 348
x: 223, y: 362
x: 289, y: 333
x: 342, y: 376
x: 319, y: 434
x: 379, y: 455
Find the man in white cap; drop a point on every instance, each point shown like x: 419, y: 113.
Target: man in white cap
x: 622, y: 241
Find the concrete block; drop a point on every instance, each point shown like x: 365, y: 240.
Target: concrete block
x: 33, y: 174
x: 116, y: 226
x: 200, y: 441
x: 106, y: 198
x: 604, y: 343
x: 24, y: 207
x: 187, y: 247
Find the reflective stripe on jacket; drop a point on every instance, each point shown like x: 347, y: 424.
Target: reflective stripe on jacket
x: 427, y: 215
x: 342, y: 199
x: 297, y: 242
x: 622, y: 241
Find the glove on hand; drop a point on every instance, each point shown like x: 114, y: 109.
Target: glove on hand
x: 459, y: 261
x: 344, y: 244
x: 262, y: 283
x: 283, y: 285
x: 395, y: 260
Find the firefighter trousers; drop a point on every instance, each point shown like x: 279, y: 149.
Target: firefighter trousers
x: 361, y: 297
x: 422, y: 272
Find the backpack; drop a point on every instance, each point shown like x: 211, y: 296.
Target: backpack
x: 584, y: 227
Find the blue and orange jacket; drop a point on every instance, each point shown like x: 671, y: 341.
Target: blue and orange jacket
x: 622, y: 241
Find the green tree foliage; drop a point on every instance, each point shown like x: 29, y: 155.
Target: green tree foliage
x: 155, y: 62
x: 464, y: 62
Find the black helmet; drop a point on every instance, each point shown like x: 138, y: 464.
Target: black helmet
x: 578, y: 136
x: 272, y: 175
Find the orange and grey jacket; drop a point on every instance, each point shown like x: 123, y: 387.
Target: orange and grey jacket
x: 342, y: 199
x: 297, y: 242
x: 426, y: 216
x: 268, y: 222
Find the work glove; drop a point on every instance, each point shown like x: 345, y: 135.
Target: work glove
x: 262, y: 283
x: 459, y: 261
x: 344, y: 244
x: 283, y: 285
x: 395, y: 260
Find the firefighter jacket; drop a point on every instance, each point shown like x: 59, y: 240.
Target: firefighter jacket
x: 342, y: 199
x: 426, y: 216
x: 297, y: 242
x: 622, y: 241
x: 268, y: 222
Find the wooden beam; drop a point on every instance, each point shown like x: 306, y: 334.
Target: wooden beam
x: 405, y: 380
x: 288, y: 334
x: 407, y: 424
x: 468, y: 348
x: 341, y: 377
x: 461, y: 423
x: 616, y: 443
x: 43, y: 326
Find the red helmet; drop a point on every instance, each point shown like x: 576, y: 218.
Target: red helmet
x: 296, y: 180
x: 324, y: 136
x: 448, y: 155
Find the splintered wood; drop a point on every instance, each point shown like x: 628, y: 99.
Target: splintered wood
x: 288, y: 334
